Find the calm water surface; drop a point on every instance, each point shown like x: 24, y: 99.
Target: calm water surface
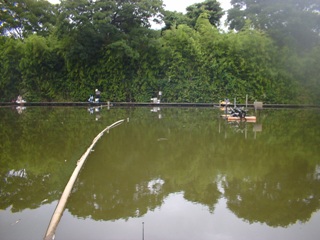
x: 169, y: 173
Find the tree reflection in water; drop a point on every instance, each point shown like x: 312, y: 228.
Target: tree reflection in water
x: 269, y: 177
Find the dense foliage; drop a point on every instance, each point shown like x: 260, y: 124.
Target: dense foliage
x: 63, y: 52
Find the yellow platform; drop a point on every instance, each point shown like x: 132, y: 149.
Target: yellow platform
x: 247, y: 118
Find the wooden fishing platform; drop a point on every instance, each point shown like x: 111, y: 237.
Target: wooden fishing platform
x: 246, y: 118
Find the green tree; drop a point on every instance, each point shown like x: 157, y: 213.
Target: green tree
x: 20, y: 18
x: 310, y: 82
x: 181, y: 54
x: 293, y: 23
x: 147, y: 67
x: 241, y: 63
x: 10, y: 75
x: 92, y: 30
x: 214, y: 48
x: 210, y: 7
x: 173, y: 19
x: 42, y: 69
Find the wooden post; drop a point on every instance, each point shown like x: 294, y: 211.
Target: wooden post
x: 142, y: 230
x: 55, y: 219
x: 247, y: 101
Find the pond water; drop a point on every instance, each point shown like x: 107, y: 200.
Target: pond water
x: 169, y: 173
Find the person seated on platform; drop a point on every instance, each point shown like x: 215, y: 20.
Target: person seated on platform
x: 20, y: 100
x: 97, y: 99
x: 90, y: 99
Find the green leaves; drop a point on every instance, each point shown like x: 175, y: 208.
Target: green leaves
x: 21, y: 18
x: 108, y: 44
x: 41, y: 68
x: 210, y: 7
x: 294, y: 23
x: 10, y: 75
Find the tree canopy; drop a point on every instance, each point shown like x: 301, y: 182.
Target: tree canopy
x: 65, y: 51
x: 294, y: 23
x: 21, y: 18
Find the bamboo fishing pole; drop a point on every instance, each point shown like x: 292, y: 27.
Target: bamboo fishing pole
x: 55, y: 219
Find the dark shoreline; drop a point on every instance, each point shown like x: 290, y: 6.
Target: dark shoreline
x: 146, y: 104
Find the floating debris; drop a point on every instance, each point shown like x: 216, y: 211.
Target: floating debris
x: 15, y: 222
